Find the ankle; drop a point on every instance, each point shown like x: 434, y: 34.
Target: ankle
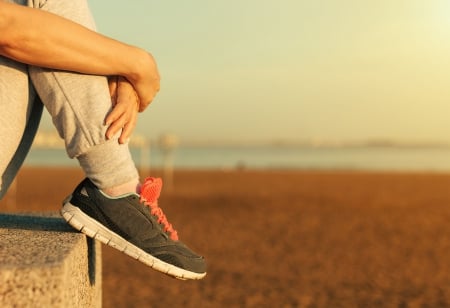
x: 125, y: 188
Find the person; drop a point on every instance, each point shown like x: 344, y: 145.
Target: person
x: 93, y: 87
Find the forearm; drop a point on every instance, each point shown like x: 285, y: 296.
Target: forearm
x: 43, y: 39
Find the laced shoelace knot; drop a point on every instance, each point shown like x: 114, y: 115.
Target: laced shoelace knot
x: 150, y: 191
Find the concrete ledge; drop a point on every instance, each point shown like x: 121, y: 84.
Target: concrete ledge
x: 44, y: 263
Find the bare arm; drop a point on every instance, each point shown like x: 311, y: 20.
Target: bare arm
x: 43, y: 39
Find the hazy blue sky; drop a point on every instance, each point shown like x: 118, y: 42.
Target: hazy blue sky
x: 292, y: 69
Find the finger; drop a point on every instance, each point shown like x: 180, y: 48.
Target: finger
x: 125, y: 135
x: 117, y: 119
x: 115, y: 127
x: 113, y: 115
x: 127, y: 130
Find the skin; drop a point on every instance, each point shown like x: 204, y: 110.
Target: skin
x: 39, y: 38
x: 125, y: 108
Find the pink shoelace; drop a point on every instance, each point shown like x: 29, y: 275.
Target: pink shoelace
x: 150, y: 191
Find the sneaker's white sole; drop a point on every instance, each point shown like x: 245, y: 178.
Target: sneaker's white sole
x: 85, y: 224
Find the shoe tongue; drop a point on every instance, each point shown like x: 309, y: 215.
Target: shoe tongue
x: 151, y: 189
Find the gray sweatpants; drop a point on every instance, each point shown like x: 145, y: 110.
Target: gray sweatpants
x: 77, y: 103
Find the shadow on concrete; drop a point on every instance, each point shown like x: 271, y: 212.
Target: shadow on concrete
x: 91, y: 260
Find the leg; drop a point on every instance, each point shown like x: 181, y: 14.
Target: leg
x: 78, y: 105
x: 19, y: 119
x: 131, y: 222
x: 17, y: 102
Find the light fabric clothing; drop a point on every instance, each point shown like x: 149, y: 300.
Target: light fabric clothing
x: 77, y: 103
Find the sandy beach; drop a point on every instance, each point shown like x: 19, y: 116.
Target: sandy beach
x: 283, y: 238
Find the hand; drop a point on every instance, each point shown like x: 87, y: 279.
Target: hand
x: 147, y: 81
x: 125, y: 103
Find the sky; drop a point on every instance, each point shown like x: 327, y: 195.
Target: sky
x: 291, y: 70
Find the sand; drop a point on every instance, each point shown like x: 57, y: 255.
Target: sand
x: 284, y: 238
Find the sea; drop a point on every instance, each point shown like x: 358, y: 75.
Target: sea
x: 370, y: 158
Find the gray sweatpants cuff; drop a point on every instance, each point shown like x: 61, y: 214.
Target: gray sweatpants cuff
x: 108, y: 164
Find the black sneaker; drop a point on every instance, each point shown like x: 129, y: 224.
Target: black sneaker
x: 134, y: 225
